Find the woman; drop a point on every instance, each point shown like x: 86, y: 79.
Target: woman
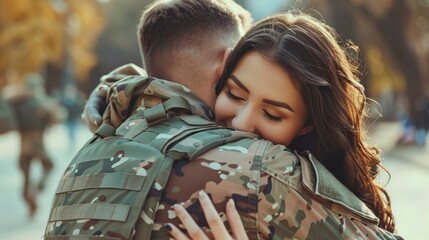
x: 291, y: 82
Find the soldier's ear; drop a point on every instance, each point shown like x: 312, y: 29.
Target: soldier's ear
x: 219, y: 70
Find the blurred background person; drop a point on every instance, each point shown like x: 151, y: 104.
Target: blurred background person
x: 73, y: 101
x: 34, y: 111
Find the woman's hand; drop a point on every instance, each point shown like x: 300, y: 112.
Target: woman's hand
x: 215, y: 223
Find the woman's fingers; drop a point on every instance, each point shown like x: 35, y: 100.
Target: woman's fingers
x: 215, y: 222
x: 194, y: 231
x: 235, y: 221
x: 213, y: 219
x: 175, y: 232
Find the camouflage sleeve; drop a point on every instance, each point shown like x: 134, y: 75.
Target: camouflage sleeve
x: 98, y: 99
x: 126, y: 86
x: 121, y: 73
x: 288, y: 210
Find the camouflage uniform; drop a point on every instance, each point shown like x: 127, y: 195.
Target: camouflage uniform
x: 278, y: 193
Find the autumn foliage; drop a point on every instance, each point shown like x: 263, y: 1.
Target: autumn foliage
x: 36, y: 33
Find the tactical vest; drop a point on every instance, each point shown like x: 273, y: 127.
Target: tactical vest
x: 108, y: 181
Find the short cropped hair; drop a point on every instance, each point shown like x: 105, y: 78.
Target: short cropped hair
x: 169, y: 28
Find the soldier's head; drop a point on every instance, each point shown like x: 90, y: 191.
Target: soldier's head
x: 186, y: 41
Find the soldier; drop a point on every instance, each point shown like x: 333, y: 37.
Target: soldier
x: 34, y: 111
x: 278, y: 194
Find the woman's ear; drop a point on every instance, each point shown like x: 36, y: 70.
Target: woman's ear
x: 220, y: 68
x: 306, y: 129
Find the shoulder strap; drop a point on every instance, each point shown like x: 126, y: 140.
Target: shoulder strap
x: 158, y: 114
x: 151, y: 116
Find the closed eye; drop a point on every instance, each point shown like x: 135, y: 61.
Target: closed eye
x: 271, y: 116
x: 232, y: 95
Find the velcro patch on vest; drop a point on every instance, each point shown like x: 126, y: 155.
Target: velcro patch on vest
x: 192, y: 120
x: 115, y: 180
x: 98, y: 211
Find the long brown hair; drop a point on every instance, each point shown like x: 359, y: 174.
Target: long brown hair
x: 311, y: 52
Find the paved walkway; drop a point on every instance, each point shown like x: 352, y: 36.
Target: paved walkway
x: 408, y: 166
x: 14, y: 223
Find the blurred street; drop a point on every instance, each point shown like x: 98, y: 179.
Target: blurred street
x: 408, y: 166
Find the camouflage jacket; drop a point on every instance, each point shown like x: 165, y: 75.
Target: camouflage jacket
x: 278, y: 193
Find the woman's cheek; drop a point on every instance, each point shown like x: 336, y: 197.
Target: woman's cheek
x: 269, y: 132
x: 221, y: 107
x: 276, y: 133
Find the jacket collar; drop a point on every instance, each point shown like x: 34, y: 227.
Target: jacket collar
x: 132, y: 90
x: 320, y: 181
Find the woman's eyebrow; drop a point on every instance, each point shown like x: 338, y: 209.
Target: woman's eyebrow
x: 278, y: 104
x: 240, y: 84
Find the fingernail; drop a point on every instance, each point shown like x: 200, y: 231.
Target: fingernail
x: 231, y: 203
x: 202, y: 195
x: 177, y: 207
x: 168, y: 227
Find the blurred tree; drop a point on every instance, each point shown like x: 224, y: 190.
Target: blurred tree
x: 396, y: 29
x: 85, y: 22
x: 118, y: 43
x: 395, y: 24
x: 35, y: 33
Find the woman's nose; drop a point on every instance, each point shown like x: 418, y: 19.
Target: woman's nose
x: 244, y: 120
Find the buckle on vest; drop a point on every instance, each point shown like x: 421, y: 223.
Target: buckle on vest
x: 163, y: 111
x: 155, y: 115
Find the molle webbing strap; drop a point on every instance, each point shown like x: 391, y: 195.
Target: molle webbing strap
x: 177, y: 102
x: 105, y: 130
x: 136, y: 208
x: 159, y: 113
x: 125, y: 181
x: 144, y: 228
x: 257, y: 161
x: 255, y: 175
x: 99, y: 211
x: 155, y: 114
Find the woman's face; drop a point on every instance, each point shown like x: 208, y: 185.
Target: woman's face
x: 259, y: 97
